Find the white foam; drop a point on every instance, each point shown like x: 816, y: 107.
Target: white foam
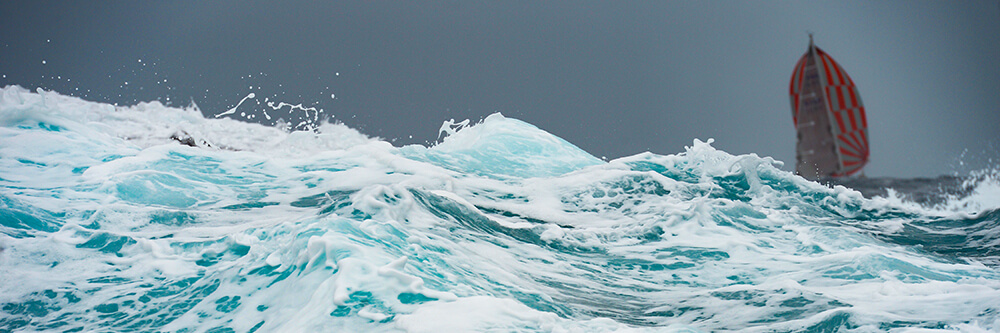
x: 333, y: 230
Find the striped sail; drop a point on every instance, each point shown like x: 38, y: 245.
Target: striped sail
x: 829, y: 118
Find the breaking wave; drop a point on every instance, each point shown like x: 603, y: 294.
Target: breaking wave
x: 153, y: 218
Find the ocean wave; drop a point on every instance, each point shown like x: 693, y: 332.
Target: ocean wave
x: 154, y: 218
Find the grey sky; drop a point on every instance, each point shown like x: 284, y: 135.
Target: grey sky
x: 615, y: 78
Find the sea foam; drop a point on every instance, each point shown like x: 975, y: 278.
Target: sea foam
x: 154, y: 218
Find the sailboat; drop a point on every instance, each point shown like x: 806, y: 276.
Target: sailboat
x: 829, y: 118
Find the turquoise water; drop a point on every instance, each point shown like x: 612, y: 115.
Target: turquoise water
x: 108, y: 223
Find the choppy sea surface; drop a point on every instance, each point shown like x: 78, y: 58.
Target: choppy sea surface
x: 155, y: 218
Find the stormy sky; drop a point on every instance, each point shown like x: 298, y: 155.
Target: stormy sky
x: 615, y: 78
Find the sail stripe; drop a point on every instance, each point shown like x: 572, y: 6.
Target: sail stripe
x: 854, y: 96
x: 864, y: 120
x: 848, y: 172
x: 820, y: 60
x: 854, y: 123
x: 844, y: 138
x: 791, y: 83
x: 798, y: 89
x: 802, y: 74
x: 840, y: 97
x: 840, y: 122
x: 795, y: 88
x: 849, y: 156
x: 826, y: 67
x: 827, y: 62
x: 830, y: 97
x: 848, y: 153
x: 863, y: 149
x: 795, y: 110
x: 794, y: 85
x: 836, y: 67
x: 829, y: 102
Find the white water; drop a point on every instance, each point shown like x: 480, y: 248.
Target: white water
x: 112, y: 225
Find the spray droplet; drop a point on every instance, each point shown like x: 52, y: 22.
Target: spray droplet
x: 333, y: 96
x: 43, y: 62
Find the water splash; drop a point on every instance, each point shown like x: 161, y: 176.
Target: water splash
x: 108, y: 224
